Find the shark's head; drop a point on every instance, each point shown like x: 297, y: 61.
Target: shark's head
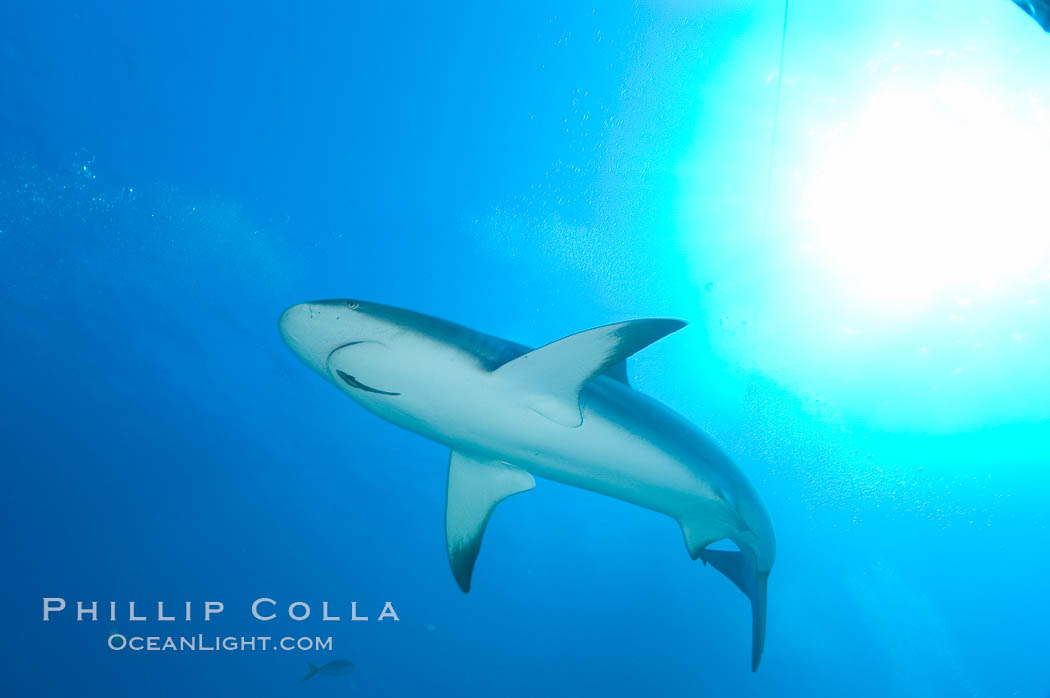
x: 353, y: 344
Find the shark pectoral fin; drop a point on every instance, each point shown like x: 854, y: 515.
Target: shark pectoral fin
x: 475, y: 487
x: 564, y: 412
x: 555, y: 373
x: 740, y: 568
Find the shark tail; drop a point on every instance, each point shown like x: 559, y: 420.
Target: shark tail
x: 740, y: 568
x: 312, y: 669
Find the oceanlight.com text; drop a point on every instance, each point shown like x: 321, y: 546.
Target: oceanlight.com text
x: 216, y: 643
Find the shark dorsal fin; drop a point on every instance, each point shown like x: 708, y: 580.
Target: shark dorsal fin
x: 553, y: 375
x: 618, y: 371
x: 475, y: 487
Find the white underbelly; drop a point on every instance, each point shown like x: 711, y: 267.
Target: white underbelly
x: 601, y: 456
x: 604, y: 454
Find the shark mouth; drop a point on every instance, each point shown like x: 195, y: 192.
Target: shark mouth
x: 354, y: 383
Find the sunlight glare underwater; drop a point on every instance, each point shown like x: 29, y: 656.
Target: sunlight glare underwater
x: 901, y: 271
x: 931, y: 191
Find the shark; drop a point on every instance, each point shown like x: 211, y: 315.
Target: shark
x: 564, y: 412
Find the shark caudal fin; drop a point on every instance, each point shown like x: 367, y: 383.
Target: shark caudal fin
x: 740, y: 568
x: 312, y: 669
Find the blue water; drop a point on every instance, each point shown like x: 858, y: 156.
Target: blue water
x: 868, y: 340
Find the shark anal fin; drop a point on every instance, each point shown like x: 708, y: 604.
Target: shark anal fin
x: 475, y: 487
x: 554, y: 374
x: 739, y: 568
x: 707, y: 526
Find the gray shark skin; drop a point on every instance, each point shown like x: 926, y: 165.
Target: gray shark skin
x: 563, y: 412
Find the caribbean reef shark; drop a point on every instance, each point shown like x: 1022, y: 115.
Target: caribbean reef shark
x: 564, y: 412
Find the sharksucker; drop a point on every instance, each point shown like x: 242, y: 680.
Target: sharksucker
x: 354, y: 383
x: 564, y: 412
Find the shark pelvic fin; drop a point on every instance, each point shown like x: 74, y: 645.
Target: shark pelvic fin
x: 475, y: 487
x: 554, y: 374
x: 740, y: 568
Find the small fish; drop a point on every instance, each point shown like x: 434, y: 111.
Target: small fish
x: 336, y: 667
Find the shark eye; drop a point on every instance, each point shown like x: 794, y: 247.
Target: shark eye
x: 353, y: 305
x: 354, y: 383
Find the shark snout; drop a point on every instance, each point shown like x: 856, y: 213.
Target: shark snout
x: 294, y: 323
x: 312, y: 331
x: 316, y: 329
